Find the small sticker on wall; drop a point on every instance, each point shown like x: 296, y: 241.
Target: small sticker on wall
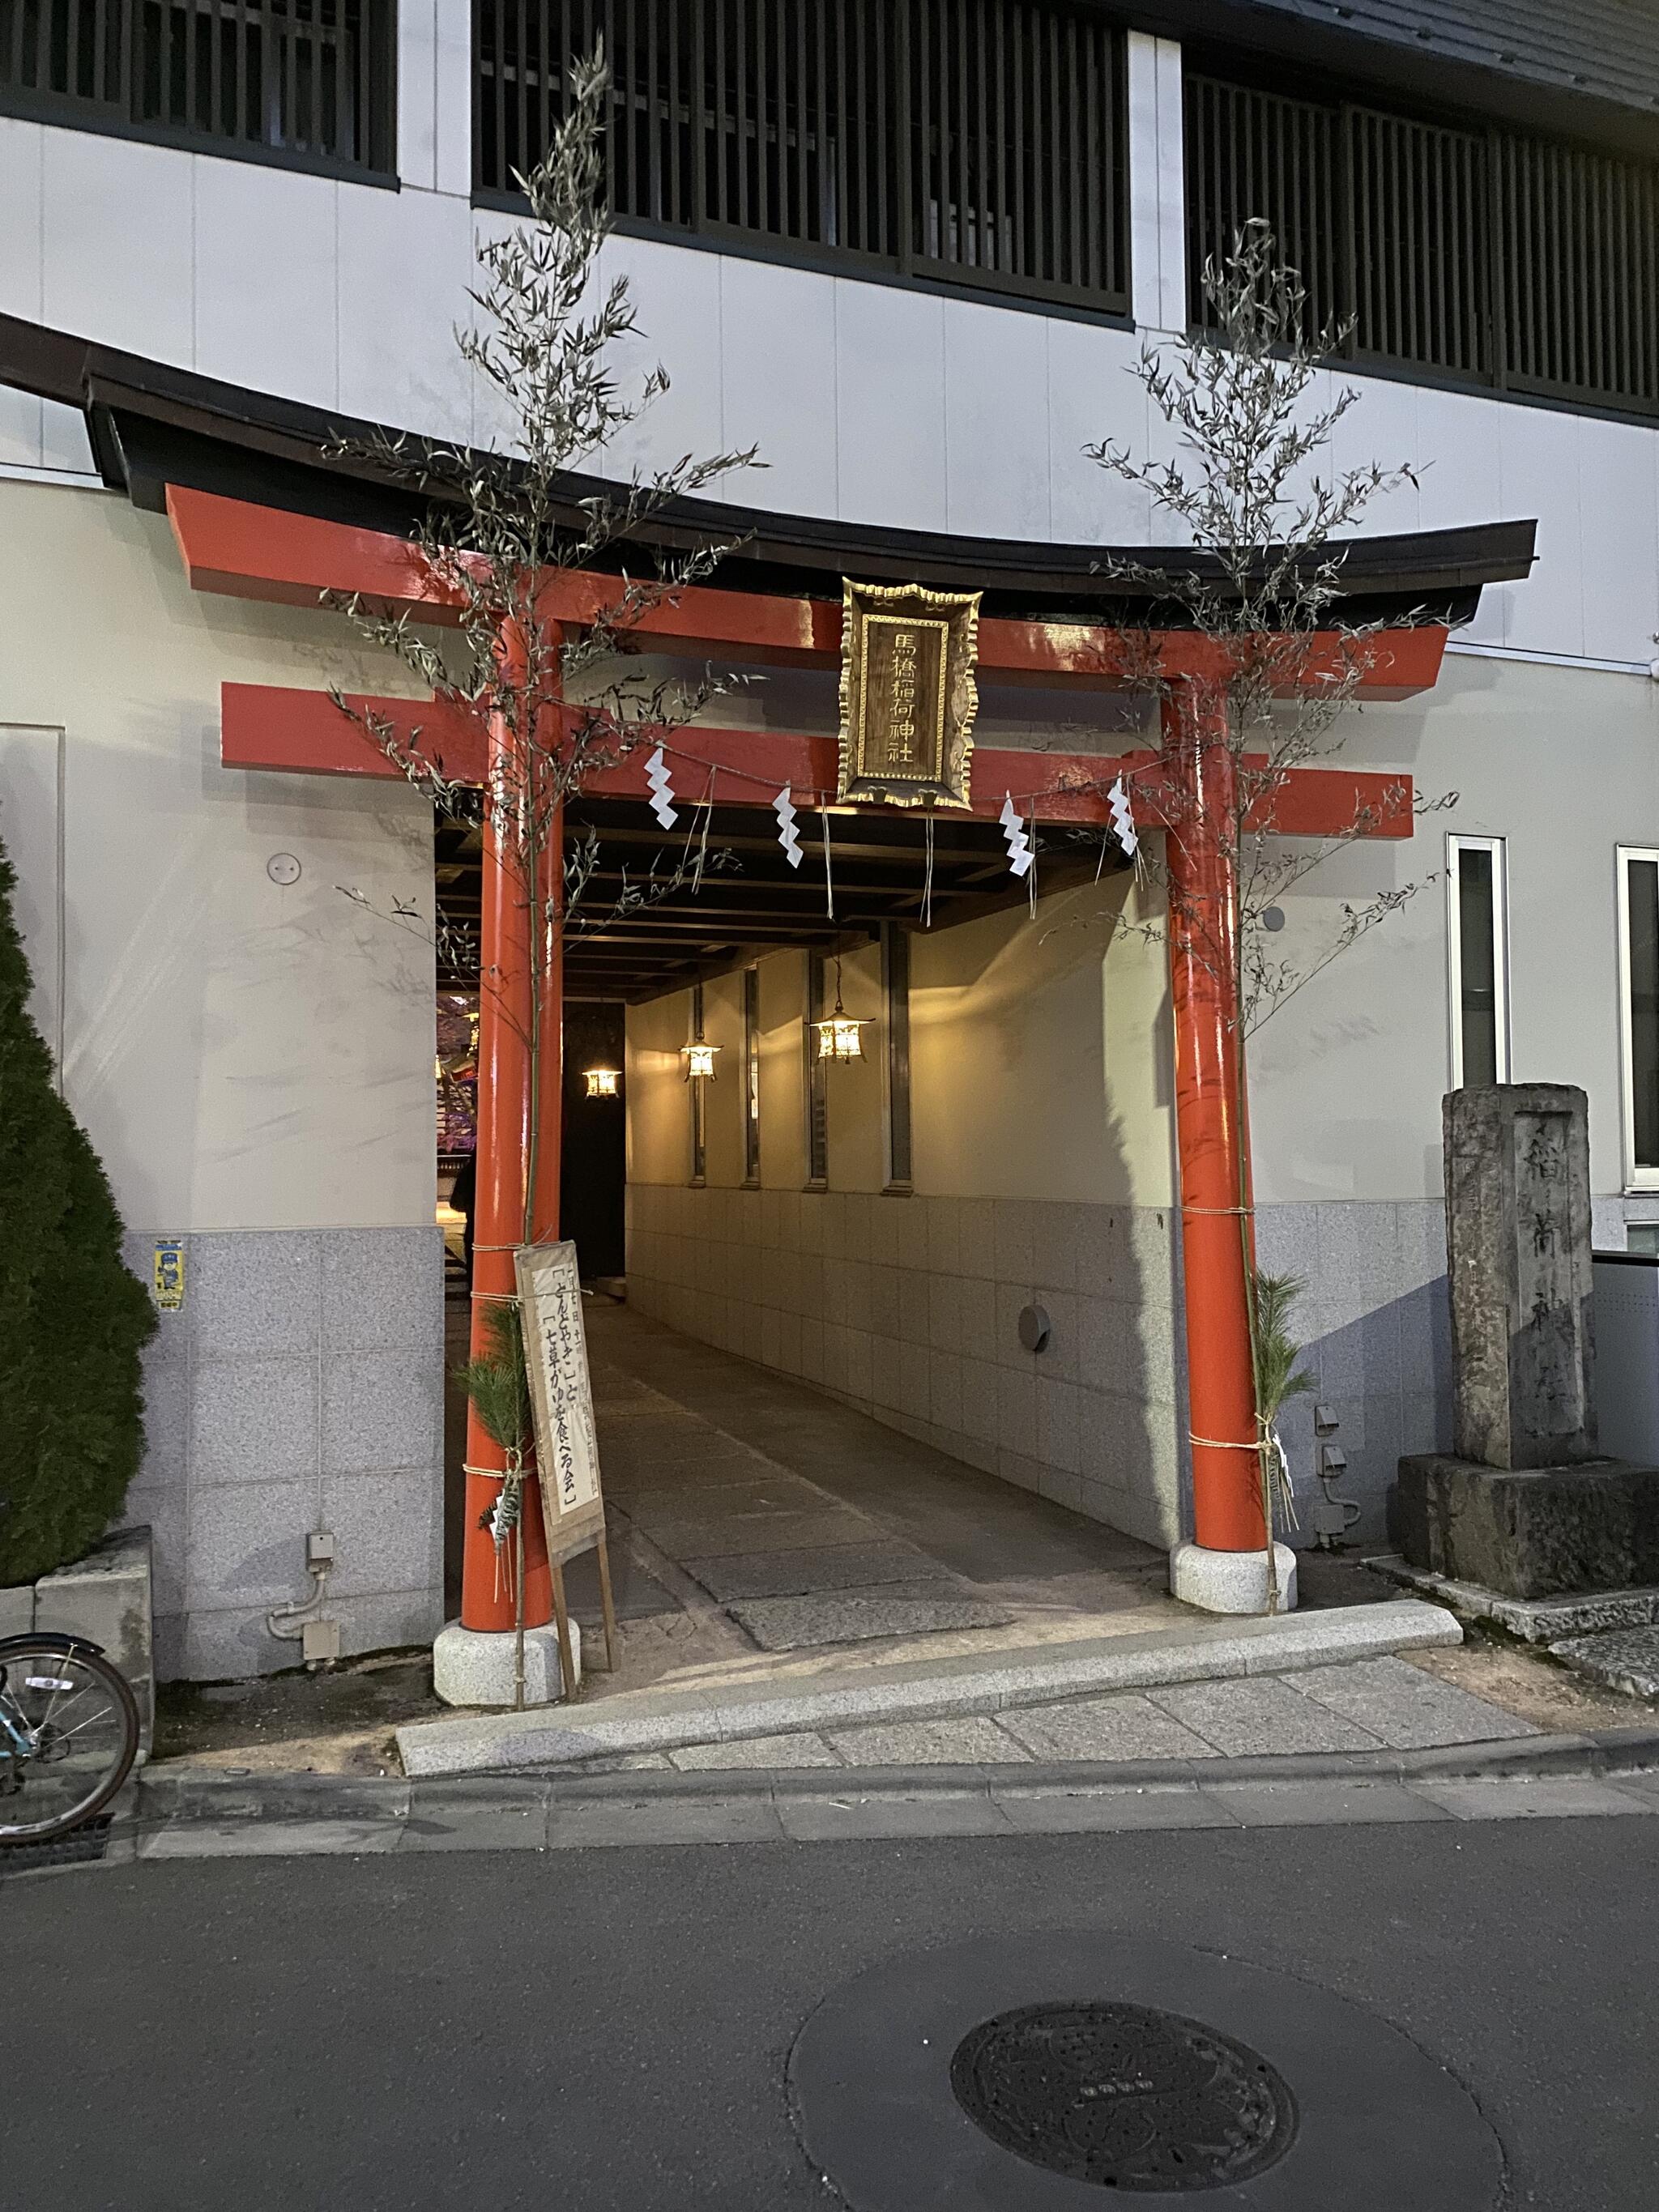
x: 168, y: 1282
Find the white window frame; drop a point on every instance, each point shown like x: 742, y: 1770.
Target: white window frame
x: 1636, y: 1178
x: 1456, y: 845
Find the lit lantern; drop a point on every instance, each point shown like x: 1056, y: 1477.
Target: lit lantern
x: 699, y: 1058
x: 840, y: 1036
x: 602, y: 1082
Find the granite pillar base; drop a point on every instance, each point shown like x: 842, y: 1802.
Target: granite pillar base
x: 1230, y: 1582
x: 1530, y: 1532
x: 478, y: 1667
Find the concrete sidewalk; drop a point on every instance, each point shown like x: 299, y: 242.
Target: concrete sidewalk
x: 1375, y: 1740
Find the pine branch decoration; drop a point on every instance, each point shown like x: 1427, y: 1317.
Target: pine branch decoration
x: 497, y: 1383
x: 1275, y: 1350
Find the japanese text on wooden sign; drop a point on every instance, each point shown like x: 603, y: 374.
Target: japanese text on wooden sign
x: 561, y: 1395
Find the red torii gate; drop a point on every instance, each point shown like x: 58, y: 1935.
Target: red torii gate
x: 232, y: 547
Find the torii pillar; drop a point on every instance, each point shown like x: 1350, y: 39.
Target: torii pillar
x: 474, y: 1659
x: 1225, y: 1568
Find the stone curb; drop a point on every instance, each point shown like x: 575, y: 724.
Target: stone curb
x: 999, y: 1681
x: 162, y: 1799
x: 349, y: 1815
x: 210, y: 1799
x: 1511, y: 1759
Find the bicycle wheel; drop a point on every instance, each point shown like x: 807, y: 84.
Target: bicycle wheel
x: 79, y: 1714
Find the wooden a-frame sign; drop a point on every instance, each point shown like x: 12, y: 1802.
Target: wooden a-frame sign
x: 566, y: 1442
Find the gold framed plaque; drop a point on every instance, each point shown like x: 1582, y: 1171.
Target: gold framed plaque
x: 907, y: 694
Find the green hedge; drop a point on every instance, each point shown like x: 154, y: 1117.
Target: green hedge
x: 73, y: 1319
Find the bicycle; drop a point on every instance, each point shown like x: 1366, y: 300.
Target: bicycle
x: 68, y: 1735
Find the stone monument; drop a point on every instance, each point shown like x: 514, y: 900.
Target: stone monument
x: 1524, y: 1504
x: 1518, y: 1265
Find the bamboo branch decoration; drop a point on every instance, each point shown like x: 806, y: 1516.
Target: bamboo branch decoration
x: 497, y: 529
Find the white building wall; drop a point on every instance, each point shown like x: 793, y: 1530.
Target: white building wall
x: 1346, y: 1081
x: 1158, y: 185
x: 253, y: 1062
x: 1564, y: 765
x: 871, y: 402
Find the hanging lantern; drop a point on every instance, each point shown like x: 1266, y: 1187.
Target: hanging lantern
x: 699, y: 1058
x: 602, y: 1082
x: 840, y: 1036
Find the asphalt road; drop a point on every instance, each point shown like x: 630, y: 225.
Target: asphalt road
x: 589, y: 2029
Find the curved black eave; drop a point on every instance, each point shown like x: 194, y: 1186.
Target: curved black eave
x: 152, y: 425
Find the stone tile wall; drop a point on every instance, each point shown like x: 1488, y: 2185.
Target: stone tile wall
x: 1376, y: 1326
x: 300, y: 1387
x: 908, y: 1307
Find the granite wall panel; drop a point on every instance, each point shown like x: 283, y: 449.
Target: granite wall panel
x: 1377, y: 1330
x: 298, y: 1388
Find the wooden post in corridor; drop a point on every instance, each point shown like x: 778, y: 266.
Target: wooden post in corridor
x: 506, y: 1004
x: 1211, y: 1138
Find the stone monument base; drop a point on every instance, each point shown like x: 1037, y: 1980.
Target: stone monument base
x: 1529, y: 1532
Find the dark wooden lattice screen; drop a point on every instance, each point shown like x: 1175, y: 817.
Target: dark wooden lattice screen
x: 1483, y: 257
x: 310, y: 79
x: 1579, y: 310
x: 979, y: 142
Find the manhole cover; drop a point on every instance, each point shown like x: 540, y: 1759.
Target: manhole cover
x: 1124, y: 2096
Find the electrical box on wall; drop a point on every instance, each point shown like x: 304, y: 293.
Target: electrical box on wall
x: 320, y: 1640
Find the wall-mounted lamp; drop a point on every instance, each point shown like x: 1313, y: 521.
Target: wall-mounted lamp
x: 602, y: 1082
x: 699, y: 1058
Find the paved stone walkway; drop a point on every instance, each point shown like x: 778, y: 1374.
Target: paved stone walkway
x: 808, y: 1525
x: 781, y: 1558
x: 1369, y: 1705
